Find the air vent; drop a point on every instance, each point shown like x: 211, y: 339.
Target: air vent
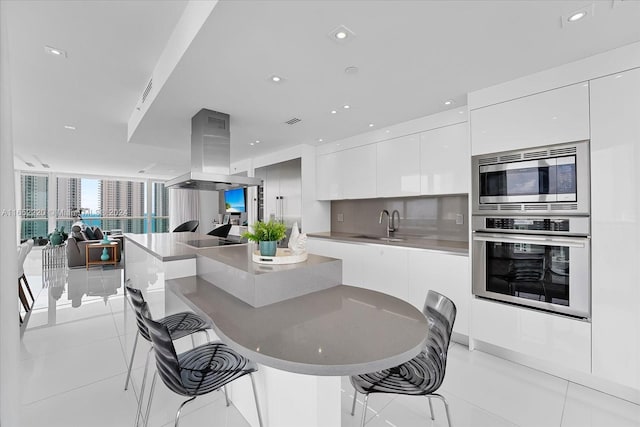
x: 488, y: 208
x: 510, y: 207
x: 510, y: 157
x: 535, y: 154
x: 536, y: 207
x: 488, y: 160
x: 31, y: 165
x: 559, y: 151
x: 46, y: 166
x: 564, y: 206
x: 147, y: 90
x: 293, y: 121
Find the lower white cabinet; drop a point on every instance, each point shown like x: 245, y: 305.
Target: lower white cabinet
x: 550, y: 338
x: 404, y: 273
x: 443, y: 273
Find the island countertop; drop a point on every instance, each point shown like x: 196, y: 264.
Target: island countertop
x: 169, y: 246
x: 342, y: 330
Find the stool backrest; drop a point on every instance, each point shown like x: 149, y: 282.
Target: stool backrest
x: 440, y: 312
x: 137, y: 301
x: 166, y: 358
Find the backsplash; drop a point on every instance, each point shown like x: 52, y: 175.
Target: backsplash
x: 433, y: 216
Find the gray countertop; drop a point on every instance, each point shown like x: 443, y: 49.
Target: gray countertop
x: 412, y: 242
x: 342, y: 330
x: 169, y: 246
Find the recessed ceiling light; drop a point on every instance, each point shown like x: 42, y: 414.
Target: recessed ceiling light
x: 581, y: 15
x: 461, y: 112
x: 370, y: 125
x: 577, y: 16
x: 320, y: 140
x: 448, y: 102
x: 257, y: 141
x: 251, y: 143
x: 387, y: 131
x: 333, y: 111
x: 69, y: 127
x: 341, y: 34
x: 55, y: 51
x: 346, y: 106
x: 276, y: 79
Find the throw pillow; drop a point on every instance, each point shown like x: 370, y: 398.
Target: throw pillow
x: 89, y: 232
x: 97, y: 233
x: 84, y: 235
x: 77, y: 235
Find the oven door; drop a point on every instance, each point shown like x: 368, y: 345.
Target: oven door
x: 546, y: 272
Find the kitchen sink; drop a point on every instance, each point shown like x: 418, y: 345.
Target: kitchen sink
x: 380, y: 238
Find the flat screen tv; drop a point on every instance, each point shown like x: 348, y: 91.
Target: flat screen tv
x: 234, y: 200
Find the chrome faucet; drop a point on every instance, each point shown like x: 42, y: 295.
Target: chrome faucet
x: 395, y: 214
x: 390, y: 220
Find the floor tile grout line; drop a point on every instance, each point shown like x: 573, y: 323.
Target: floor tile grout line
x: 485, y: 410
x: 564, y: 403
x: 73, y: 389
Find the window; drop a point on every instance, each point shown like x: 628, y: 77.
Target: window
x: 160, y: 211
x: 35, y: 208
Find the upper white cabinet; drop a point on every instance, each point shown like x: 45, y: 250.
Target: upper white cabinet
x: 399, y: 167
x: 359, y: 172
x: 615, y: 220
x: 347, y: 174
x: 552, y: 117
x: 445, y: 161
x: 328, y: 179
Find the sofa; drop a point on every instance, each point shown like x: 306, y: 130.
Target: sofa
x: 77, y: 242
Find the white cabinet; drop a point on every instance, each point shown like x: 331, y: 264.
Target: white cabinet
x: 399, y: 167
x: 349, y: 254
x: 328, y: 177
x: 547, y: 337
x: 552, y: 117
x: 358, y: 172
x: 615, y: 219
x: 347, y: 174
x: 385, y: 269
x: 445, y: 162
x: 443, y: 273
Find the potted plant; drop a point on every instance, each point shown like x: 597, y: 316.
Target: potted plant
x: 267, y: 235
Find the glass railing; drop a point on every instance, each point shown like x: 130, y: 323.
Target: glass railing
x: 138, y: 224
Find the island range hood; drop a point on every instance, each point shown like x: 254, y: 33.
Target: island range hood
x: 211, y: 156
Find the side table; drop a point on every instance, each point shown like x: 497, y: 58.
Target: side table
x: 113, y: 256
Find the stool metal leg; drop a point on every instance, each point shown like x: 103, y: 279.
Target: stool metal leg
x: 144, y: 381
x: 226, y: 395
x: 255, y: 396
x: 364, y: 411
x: 353, y: 405
x: 133, y: 353
x: 153, y: 387
x: 446, y: 407
x: 180, y: 409
x: 430, y: 407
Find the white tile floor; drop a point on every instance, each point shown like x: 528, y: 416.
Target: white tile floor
x: 74, y: 366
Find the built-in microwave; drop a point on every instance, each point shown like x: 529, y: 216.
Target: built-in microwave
x: 545, y: 180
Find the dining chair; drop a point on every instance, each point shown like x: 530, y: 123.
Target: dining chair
x: 195, y: 372
x: 23, y: 283
x: 179, y: 326
x: 422, y: 375
x: 187, y: 226
x: 220, y: 231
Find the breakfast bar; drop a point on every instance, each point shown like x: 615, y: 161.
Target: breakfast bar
x: 314, y: 331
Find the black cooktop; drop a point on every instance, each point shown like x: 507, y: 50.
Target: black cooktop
x: 210, y: 243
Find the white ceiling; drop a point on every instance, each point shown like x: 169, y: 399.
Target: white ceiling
x: 411, y: 55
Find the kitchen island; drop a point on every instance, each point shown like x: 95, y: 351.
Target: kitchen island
x: 303, y: 343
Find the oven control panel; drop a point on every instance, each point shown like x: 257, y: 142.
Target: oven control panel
x: 535, y: 225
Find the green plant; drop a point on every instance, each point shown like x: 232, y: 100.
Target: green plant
x: 266, y: 232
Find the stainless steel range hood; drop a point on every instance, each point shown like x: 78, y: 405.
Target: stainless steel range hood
x: 211, y: 156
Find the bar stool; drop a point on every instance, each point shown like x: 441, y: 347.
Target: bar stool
x: 179, y: 326
x: 23, y: 251
x: 195, y: 372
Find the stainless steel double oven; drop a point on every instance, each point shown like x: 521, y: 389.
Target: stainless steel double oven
x: 531, y: 228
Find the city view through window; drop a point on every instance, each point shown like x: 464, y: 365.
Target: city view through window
x: 112, y: 205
